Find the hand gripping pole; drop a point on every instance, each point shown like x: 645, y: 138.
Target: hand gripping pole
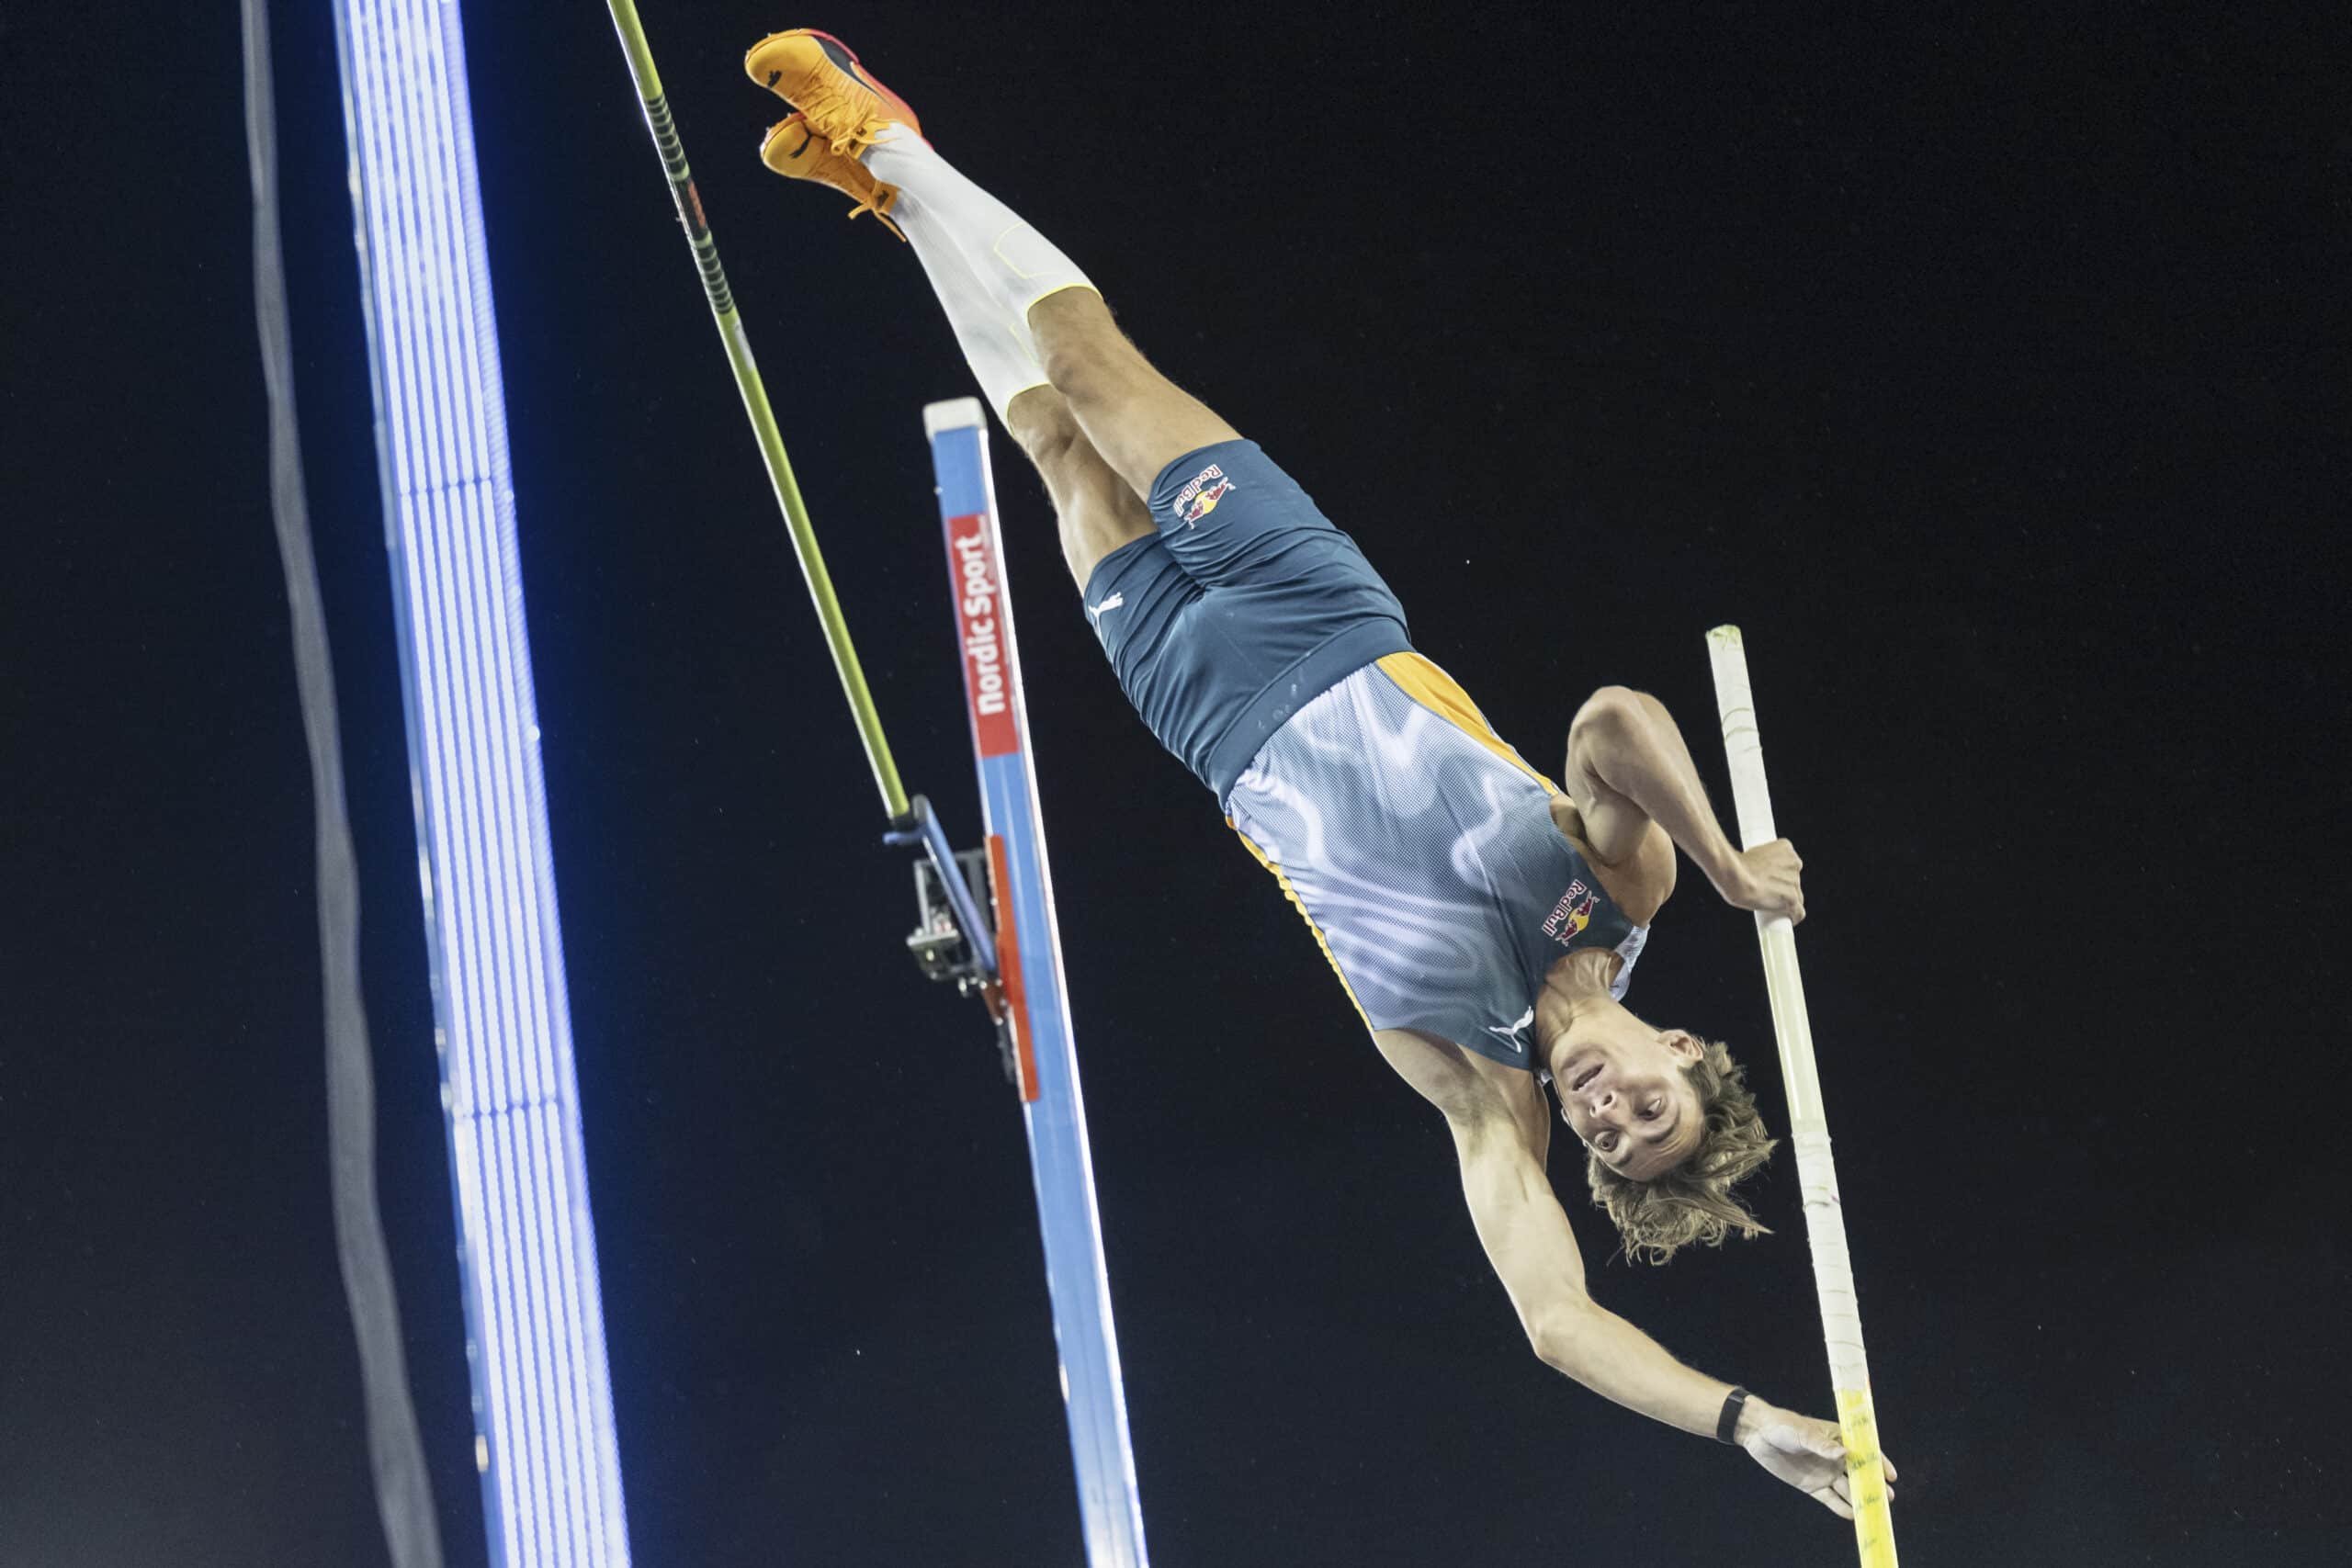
x: 1833, y: 1270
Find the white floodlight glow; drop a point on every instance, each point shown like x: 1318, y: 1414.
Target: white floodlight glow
x: 543, y: 1413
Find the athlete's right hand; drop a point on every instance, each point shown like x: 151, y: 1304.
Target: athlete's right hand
x: 1765, y: 879
x: 1809, y: 1455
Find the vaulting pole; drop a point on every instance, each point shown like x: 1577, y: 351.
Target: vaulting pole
x: 1825, y: 1223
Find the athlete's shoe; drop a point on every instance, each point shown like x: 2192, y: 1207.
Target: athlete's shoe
x: 797, y: 153
x: 816, y: 73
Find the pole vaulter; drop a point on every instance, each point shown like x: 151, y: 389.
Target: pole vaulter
x: 1013, y: 962
x: 1483, y: 920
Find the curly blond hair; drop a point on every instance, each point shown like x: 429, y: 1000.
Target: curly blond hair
x: 1693, y: 1203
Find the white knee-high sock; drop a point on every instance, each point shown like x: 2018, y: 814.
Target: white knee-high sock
x: 996, y: 346
x: 1013, y: 262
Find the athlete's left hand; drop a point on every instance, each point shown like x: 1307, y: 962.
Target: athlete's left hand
x: 1809, y: 1455
x: 1768, y: 879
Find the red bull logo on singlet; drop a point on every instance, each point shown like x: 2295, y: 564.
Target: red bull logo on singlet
x: 1571, y: 914
x: 1201, y: 493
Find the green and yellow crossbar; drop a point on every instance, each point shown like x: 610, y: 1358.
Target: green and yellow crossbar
x: 755, y: 403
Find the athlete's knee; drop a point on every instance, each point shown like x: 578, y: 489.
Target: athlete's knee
x: 1040, y: 419
x: 1091, y: 373
x: 1085, y: 356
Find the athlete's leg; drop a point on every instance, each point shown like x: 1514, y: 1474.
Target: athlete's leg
x: 1137, y: 418
x: 1098, y: 511
x: 856, y: 135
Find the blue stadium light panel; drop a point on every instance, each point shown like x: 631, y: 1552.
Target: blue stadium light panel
x: 545, y: 1443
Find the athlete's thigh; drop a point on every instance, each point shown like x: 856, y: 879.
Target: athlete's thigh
x: 1137, y: 418
x: 1151, y: 425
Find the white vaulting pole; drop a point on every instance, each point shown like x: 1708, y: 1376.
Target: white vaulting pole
x: 1825, y: 1222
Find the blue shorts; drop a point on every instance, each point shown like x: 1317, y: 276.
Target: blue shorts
x: 1246, y: 605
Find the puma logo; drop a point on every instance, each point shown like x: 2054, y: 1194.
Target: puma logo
x: 1510, y: 1036
x: 1096, y: 612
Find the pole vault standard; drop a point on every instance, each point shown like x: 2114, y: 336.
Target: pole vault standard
x: 1825, y: 1222
x: 1013, y: 963
x: 1029, y: 962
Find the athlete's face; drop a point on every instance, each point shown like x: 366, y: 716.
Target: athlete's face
x: 1623, y: 1088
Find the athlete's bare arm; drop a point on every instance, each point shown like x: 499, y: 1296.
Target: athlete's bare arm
x: 1501, y: 1130
x: 1632, y: 776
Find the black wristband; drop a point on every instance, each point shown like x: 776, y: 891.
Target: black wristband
x: 1728, y: 1422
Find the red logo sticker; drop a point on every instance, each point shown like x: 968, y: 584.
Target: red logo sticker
x: 988, y: 686
x: 1201, y: 493
x: 1571, y: 914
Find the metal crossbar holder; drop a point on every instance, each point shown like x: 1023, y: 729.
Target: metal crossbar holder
x: 952, y: 880
x: 942, y: 954
x: 938, y: 941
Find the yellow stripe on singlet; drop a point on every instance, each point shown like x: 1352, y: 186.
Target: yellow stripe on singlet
x: 1434, y: 690
x: 1292, y: 894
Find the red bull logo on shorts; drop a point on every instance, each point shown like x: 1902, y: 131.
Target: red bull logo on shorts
x: 1201, y: 493
x: 1571, y: 914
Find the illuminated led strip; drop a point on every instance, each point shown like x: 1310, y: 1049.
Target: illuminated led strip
x: 1030, y: 949
x: 534, y: 1325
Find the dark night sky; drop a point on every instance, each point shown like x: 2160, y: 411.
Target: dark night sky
x: 1969, y: 365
